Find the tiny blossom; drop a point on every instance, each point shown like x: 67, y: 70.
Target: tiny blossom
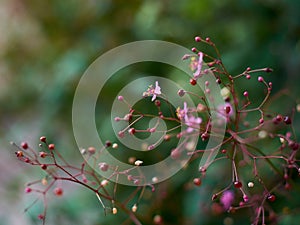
x: 104, y: 183
x: 250, y: 184
x: 134, y: 208
x: 115, y: 145
x: 138, y: 162
x: 201, y: 107
x: 262, y: 134
x: 298, y: 107
x: 83, y: 151
x: 154, y: 92
x: 227, y: 199
x: 114, y: 210
x: 225, y: 92
x: 154, y: 179
x: 44, y: 181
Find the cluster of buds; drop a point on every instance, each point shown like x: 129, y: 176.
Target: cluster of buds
x: 245, y: 143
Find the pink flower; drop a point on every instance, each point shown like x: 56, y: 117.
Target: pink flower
x: 197, y: 73
x: 191, y: 121
x: 227, y: 199
x: 181, y: 113
x: 154, y: 92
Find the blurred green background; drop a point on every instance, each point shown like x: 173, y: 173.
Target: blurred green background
x: 45, y: 46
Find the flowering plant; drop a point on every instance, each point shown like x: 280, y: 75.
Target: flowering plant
x: 251, y: 137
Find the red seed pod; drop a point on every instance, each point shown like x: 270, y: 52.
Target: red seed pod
x: 214, y: 197
x: 238, y: 184
x: 294, y: 145
x: 197, y: 39
x: 58, y: 191
x: 227, y: 109
x: 27, y: 160
x: 288, y: 186
x: 41, y: 217
x: 131, y: 131
x: 204, y: 136
x: 107, y: 144
x: 24, y: 145
x: 51, y: 146
x: 43, y: 139
x: 193, y: 82
x: 194, y: 49
x: 279, y: 118
x: 271, y: 198
x: 197, y: 181
x: 157, y: 103
x: 43, y: 154
x: 28, y: 190
x: 287, y: 120
x: 268, y: 70
x: 44, y: 166
x: 19, y: 154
